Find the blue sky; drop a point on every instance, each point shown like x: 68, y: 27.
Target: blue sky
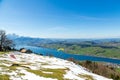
x: 61, y: 18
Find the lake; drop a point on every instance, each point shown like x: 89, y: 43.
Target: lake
x: 62, y: 55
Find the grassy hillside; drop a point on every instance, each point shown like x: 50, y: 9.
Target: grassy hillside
x: 32, y: 66
x: 107, y: 70
x: 104, y: 49
x: 101, y: 69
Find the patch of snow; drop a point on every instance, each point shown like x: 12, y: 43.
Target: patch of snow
x: 70, y: 75
x: 31, y: 76
x: 53, y: 66
x: 6, y: 64
x: 47, y: 72
x: 36, y: 62
x: 0, y: 68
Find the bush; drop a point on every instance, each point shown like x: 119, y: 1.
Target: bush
x: 29, y: 51
x: 101, y: 69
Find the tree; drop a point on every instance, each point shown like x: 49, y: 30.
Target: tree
x: 4, y: 41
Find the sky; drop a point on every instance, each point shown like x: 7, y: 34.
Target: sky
x: 61, y: 18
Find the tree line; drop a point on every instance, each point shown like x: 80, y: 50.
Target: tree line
x: 5, y: 43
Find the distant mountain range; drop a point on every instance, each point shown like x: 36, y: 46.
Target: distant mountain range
x: 12, y: 36
x: 21, y: 40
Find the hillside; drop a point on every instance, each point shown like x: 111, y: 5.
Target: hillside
x: 24, y: 66
x: 95, y: 47
x: 103, y: 48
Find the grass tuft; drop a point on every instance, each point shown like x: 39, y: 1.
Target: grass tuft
x: 86, y: 77
x: 4, y: 77
x: 56, y: 73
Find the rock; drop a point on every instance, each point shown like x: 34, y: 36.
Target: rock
x: 23, y: 50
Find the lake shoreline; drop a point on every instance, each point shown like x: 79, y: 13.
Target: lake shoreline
x: 46, y: 51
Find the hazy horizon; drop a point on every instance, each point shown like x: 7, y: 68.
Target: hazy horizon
x: 13, y: 34
x: 61, y: 18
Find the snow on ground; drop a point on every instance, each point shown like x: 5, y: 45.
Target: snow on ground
x: 31, y: 76
x: 37, y: 62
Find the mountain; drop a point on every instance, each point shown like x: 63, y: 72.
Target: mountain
x: 21, y: 40
x: 12, y: 36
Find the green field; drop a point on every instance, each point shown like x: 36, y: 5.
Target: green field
x: 110, y: 49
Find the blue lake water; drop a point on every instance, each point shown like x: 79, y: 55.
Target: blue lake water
x: 60, y: 54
